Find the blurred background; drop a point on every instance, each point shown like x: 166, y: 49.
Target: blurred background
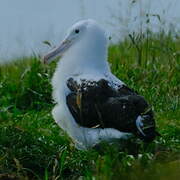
x: 25, y: 24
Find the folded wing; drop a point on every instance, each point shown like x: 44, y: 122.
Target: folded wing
x: 95, y: 104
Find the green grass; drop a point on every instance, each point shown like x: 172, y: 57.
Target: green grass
x: 32, y: 146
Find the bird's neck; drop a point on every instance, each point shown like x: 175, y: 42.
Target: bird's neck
x: 85, y: 58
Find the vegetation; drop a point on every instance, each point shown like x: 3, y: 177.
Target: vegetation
x: 32, y: 146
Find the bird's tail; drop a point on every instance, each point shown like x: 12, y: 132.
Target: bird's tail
x: 146, y: 127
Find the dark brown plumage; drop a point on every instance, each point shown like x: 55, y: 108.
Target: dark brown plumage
x: 98, y: 105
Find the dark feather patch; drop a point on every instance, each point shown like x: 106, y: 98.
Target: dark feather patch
x: 98, y: 105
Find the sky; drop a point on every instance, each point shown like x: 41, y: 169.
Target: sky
x: 25, y: 24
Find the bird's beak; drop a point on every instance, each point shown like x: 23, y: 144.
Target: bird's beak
x: 58, y: 51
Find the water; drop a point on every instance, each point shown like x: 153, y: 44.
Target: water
x: 25, y: 24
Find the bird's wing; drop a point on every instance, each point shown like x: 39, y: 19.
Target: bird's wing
x: 95, y: 104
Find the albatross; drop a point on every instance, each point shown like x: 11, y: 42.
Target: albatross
x: 92, y: 105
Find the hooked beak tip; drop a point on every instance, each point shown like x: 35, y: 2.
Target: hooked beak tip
x: 56, y: 52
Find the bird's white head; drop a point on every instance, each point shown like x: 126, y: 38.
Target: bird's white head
x: 85, y: 41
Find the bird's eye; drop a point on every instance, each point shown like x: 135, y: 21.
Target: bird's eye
x: 76, y: 31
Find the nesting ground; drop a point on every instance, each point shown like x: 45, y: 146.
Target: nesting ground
x: 32, y: 146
